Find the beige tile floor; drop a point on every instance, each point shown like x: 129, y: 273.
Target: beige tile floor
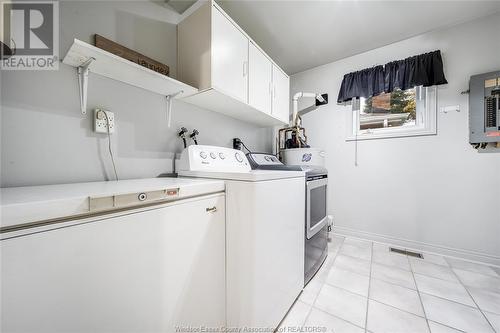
x: 362, y: 287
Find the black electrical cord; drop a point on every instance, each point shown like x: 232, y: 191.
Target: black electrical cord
x: 246, y: 147
x: 238, y: 141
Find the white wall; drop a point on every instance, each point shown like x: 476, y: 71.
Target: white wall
x: 436, y: 192
x: 45, y: 139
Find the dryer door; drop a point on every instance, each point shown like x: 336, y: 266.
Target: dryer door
x: 316, y: 206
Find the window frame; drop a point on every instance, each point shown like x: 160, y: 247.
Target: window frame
x: 426, y: 123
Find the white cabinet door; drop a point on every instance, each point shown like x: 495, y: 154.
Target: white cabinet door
x: 229, y: 58
x: 260, y: 73
x: 138, y: 272
x: 281, y: 95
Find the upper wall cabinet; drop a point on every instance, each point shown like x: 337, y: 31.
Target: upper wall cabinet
x: 233, y: 75
x: 229, y: 58
x: 280, y: 94
x: 259, y: 80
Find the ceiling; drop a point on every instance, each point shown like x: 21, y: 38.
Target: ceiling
x: 300, y: 35
x: 180, y: 6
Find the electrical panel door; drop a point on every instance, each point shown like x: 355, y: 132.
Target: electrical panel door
x: 484, y: 108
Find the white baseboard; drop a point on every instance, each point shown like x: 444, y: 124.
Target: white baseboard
x: 420, y: 246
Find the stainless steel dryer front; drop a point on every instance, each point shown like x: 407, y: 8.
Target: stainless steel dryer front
x: 316, y: 221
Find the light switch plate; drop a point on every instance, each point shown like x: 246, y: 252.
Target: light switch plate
x: 450, y: 108
x: 100, y: 123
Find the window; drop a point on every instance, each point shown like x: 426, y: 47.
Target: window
x: 400, y: 113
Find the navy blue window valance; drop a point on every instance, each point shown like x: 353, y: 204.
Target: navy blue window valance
x: 420, y: 70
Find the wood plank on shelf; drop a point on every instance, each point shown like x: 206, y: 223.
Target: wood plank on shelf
x: 119, y: 69
x: 108, y: 45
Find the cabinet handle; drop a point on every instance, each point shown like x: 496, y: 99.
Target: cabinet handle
x: 271, y: 89
x: 274, y: 91
x: 245, y: 65
x: 211, y: 209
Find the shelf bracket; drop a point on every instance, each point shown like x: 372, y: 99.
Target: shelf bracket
x: 83, y: 80
x: 169, y: 106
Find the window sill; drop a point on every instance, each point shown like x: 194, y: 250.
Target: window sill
x: 392, y: 134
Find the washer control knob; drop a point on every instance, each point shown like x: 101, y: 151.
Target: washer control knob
x: 203, y: 154
x: 238, y: 157
x: 222, y: 156
x: 142, y: 196
x: 212, y: 155
x: 267, y: 158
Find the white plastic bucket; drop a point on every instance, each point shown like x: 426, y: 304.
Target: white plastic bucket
x: 304, y: 156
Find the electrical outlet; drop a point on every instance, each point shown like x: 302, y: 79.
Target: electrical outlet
x: 101, y: 123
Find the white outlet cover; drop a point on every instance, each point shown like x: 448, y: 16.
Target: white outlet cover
x: 100, y: 125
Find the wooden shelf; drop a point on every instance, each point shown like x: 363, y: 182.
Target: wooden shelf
x: 114, y: 67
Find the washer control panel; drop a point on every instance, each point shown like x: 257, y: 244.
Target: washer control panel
x: 213, y: 158
x: 263, y: 159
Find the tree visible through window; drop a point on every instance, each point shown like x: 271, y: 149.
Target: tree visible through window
x: 395, y: 109
x: 400, y: 113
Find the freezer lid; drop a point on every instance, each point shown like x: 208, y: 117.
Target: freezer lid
x: 20, y: 205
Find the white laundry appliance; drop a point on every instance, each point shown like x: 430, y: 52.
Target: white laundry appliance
x: 316, y: 202
x: 142, y: 255
x: 264, y: 233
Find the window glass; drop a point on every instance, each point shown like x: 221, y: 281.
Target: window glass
x: 318, y: 205
x: 395, y: 109
x: 410, y: 112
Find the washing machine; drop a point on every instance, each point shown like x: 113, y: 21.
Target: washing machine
x: 264, y: 233
x: 316, y: 214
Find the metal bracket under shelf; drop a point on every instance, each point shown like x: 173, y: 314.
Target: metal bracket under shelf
x: 169, y: 106
x: 83, y: 80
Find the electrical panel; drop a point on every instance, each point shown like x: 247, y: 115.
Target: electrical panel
x: 484, y: 108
